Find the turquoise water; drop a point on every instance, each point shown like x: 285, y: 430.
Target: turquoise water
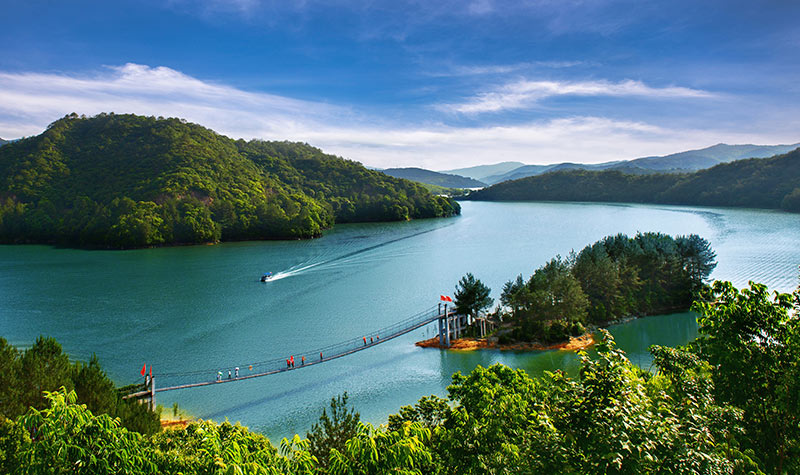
x: 198, y: 307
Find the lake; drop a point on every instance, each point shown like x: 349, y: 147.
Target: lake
x: 198, y: 307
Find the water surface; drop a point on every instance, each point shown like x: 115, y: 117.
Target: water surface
x: 198, y: 307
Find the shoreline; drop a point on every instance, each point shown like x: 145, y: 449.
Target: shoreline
x: 472, y: 344
x: 169, y: 421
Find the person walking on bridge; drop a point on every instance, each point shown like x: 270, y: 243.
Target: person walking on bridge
x: 365, y: 341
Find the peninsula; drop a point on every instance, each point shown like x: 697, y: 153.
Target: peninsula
x: 616, y: 278
x: 126, y: 181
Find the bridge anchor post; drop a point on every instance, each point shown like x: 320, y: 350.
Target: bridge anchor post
x: 446, y: 327
x: 152, y: 393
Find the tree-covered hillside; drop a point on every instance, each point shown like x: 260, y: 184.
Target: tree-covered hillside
x: 434, y: 178
x: 130, y: 181
x: 758, y: 183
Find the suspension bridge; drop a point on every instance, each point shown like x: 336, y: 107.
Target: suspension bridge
x: 450, y: 325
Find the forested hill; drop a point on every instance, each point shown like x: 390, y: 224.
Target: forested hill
x: 434, y: 178
x: 758, y: 183
x: 131, y: 181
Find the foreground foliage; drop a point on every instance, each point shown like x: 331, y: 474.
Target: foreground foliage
x: 726, y: 404
x: 752, y: 339
x: 131, y: 181
x: 25, y: 377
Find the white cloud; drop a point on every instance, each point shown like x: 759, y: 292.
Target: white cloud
x: 480, y: 7
x: 523, y: 94
x: 30, y: 101
x: 576, y: 139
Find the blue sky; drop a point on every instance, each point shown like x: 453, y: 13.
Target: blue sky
x: 437, y: 84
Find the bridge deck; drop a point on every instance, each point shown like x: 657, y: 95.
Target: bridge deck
x: 348, y: 348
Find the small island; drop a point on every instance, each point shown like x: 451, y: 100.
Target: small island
x: 567, y: 299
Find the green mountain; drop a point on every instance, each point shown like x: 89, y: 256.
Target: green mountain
x: 758, y: 183
x: 131, y: 181
x: 681, y: 162
x: 434, y: 178
x: 480, y: 172
x: 3, y: 142
x: 710, y: 156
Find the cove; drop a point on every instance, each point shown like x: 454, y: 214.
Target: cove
x: 198, y: 307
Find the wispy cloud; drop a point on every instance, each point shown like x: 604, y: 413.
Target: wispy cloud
x: 30, y: 101
x: 522, y: 94
x: 217, y: 6
x: 495, y: 69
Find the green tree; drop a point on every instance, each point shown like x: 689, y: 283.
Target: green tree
x: 94, y: 388
x: 69, y: 439
x: 556, y: 294
x: 382, y: 452
x: 514, y: 294
x: 471, y: 296
x: 44, y: 367
x: 205, y: 447
x: 11, y: 404
x: 332, y: 432
x: 601, y: 280
x: 752, y: 340
x: 430, y: 411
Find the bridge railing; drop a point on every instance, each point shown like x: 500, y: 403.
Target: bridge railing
x: 302, y: 358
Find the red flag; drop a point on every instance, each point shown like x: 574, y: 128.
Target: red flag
x: 151, y: 371
x: 443, y: 298
x: 143, y: 368
x: 447, y: 298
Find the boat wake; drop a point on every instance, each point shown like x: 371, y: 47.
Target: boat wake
x: 347, y: 259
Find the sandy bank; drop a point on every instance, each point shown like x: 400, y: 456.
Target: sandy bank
x: 470, y: 344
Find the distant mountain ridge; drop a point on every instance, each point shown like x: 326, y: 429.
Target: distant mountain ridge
x: 756, y: 182
x: 480, y: 172
x: 434, y: 178
x: 690, y: 160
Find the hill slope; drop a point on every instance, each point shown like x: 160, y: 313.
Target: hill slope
x: 129, y: 181
x: 480, y: 172
x: 760, y: 183
x: 434, y: 178
x: 691, y: 160
x: 710, y: 156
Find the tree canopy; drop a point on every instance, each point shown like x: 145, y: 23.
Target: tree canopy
x: 618, y: 276
x: 25, y: 377
x: 471, y: 296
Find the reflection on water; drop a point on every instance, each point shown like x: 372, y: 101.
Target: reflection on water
x: 203, y: 306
